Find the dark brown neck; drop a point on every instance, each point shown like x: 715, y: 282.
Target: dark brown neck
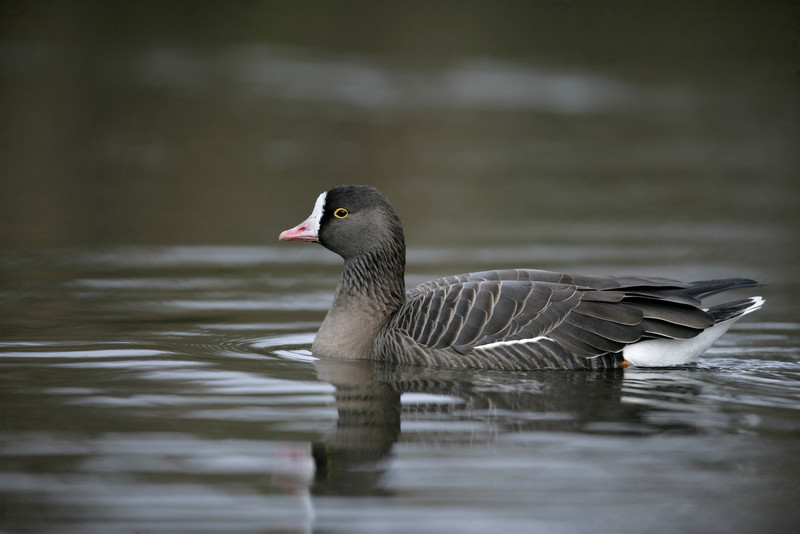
x: 377, y: 276
x: 370, y: 291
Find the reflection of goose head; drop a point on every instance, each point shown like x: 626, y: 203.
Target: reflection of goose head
x: 348, y: 461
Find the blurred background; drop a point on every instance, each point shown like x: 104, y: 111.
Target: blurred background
x: 154, y: 333
x: 192, y: 122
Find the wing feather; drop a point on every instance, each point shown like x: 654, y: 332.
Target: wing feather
x: 657, y: 328
x: 604, y: 328
x: 610, y: 311
x: 672, y: 312
x: 585, y: 315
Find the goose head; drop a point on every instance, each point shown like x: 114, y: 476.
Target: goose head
x: 353, y: 221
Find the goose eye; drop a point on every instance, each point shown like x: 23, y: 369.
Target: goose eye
x: 340, y: 213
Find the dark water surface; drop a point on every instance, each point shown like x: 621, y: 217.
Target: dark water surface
x: 172, y: 389
x: 155, y: 373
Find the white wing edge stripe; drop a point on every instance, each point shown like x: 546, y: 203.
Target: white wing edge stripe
x: 755, y: 304
x: 513, y: 342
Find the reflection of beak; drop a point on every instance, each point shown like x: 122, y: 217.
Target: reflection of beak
x: 305, y: 231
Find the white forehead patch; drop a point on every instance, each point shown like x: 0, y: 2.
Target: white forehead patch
x: 316, y: 215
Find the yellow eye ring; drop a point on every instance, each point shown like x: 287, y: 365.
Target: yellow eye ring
x: 340, y: 213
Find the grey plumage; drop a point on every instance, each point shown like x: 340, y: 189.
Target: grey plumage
x: 505, y: 319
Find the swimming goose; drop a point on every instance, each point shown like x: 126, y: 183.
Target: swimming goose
x: 515, y: 319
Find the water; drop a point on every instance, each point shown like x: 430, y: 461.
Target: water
x: 172, y: 389
x: 155, y: 373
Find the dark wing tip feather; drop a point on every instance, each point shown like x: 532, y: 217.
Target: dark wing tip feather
x: 684, y: 314
x: 732, y: 310
x: 706, y: 288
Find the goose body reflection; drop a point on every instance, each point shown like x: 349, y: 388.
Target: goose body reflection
x: 381, y: 404
x: 516, y: 319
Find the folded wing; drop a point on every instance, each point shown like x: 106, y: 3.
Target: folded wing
x: 585, y: 315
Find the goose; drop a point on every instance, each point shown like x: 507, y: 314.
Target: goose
x: 511, y: 319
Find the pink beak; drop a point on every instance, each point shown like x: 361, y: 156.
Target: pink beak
x: 304, y: 231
